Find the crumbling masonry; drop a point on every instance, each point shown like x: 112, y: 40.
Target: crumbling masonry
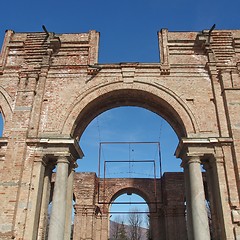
x: 52, y: 86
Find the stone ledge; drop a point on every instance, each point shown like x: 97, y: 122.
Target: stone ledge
x: 57, y: 143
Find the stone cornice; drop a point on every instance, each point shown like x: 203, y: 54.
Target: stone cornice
x: 57, y: 146
x: 185, y: 143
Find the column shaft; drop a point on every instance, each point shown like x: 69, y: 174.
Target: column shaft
x: 58, y: 214
x: 200, y: 226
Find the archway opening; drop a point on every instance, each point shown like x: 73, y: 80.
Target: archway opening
x: 123, y: 124
x: 129, y: 218
x: 128, y: 124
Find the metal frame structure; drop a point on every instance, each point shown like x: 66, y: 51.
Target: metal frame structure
x: 154, y: 161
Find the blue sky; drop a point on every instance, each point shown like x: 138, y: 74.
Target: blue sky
x: 129, y: 124
x: 128, y: 32
x: 128, y: 27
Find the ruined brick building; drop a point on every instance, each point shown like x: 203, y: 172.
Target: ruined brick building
x: 52, y: 86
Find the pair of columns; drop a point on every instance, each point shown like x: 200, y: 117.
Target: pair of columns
x: 197, y: 217
x: 61, y: 214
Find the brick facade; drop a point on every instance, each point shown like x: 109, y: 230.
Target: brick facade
x: 52, y: 86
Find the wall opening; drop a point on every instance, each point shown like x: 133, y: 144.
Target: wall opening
x: 129, y: 218
x: 128, y: 124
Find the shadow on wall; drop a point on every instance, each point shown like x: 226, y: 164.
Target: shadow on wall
x: 1, y: 124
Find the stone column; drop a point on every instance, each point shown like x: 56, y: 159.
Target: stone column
x: 200, y: 226
x: 69, y: 207
x: 58, y: 214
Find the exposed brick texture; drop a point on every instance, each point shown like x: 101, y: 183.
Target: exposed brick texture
x: 52, y: 86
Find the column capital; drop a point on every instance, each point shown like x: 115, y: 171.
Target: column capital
x: 63, y: 159
x: 59, y: 203
x: 190, y: 159
x: 40, y: 158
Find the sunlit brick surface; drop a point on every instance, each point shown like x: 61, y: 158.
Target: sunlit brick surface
x: 52, y: 86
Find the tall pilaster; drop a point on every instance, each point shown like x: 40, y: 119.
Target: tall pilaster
x: 78, y: 222
x: 222, y: 203
x: 43, y: 221
x: 33, y: 212
x: 58, y: 214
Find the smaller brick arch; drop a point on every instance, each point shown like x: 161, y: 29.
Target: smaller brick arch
x: 164, y: 197
x: 131, y: 190
x: 145, y: 188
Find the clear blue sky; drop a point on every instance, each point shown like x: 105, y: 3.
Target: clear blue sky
x: 128, y: 31
x: 126, y: 124
x: 128, y: 27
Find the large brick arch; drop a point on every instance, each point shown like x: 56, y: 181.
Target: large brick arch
x: 153, y: 97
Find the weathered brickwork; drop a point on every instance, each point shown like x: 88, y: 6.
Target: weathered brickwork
x: 52, y: 86
x: 165, y: 198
